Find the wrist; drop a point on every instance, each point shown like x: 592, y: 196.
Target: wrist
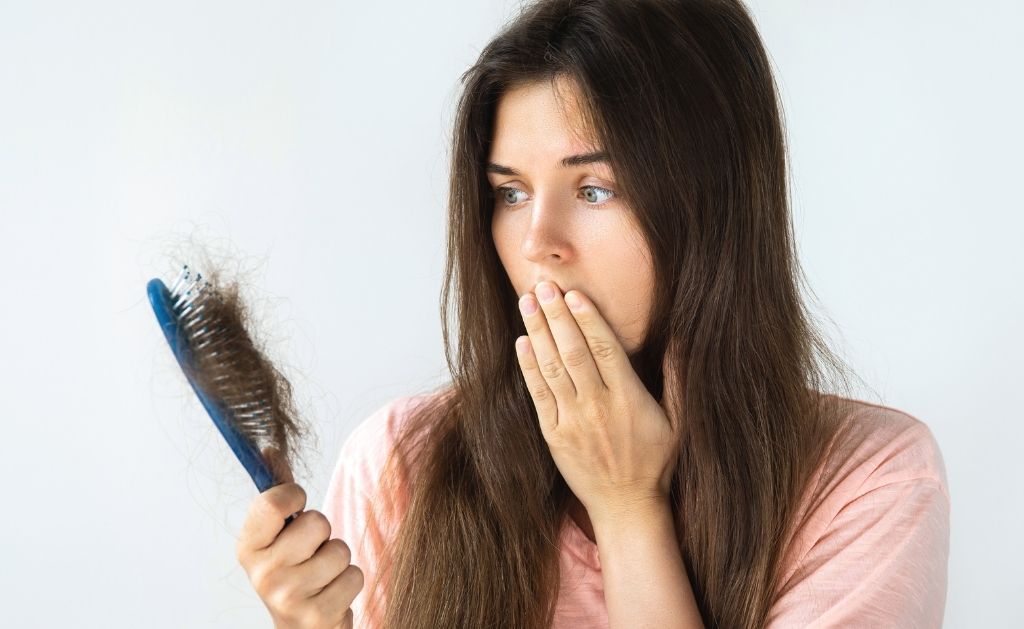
x: 641, y: 515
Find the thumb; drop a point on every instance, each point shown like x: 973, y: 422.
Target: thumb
x: 278, y: 465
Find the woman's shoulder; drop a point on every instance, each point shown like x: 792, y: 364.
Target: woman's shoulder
x: 881, y: 445
x: 872, y: 543
x: 381, y: 426
x: 366, y: 448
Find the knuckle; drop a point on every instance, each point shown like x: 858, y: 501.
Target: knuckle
x: 576, y: 356
x: 280, y: 499
x: 282, y: 600
x: 551, y: 368
x: 271, y: 499
x: 343, y: 552
x: 601, y: 348
x: 358, y: 576
x: 542, y: 394
x: 320, y: 524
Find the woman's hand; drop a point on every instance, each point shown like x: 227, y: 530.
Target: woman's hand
x: 609, y: 437
x: 302, y: 575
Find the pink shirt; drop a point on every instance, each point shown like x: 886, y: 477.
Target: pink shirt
x: 872, y: 549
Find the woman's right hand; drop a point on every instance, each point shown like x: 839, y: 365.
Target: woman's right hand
x: 304, y: 578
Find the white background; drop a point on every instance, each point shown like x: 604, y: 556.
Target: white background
x: 310, y: 139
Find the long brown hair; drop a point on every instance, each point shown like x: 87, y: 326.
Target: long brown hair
x: 681, y: 95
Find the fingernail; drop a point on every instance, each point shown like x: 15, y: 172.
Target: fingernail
x: 573, y: 300
x: 545, y: 292
x: 527, y: 304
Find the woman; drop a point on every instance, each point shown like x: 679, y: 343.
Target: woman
x: 666, y: 454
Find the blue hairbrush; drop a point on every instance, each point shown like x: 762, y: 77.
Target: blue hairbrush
x: 247, y: 398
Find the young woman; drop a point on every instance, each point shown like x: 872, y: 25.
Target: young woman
x: 637, y: 432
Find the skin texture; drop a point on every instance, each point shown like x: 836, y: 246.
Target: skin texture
x: 548, y: 225
x: 556, y: 229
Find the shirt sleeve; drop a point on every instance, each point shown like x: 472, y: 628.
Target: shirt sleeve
x: 882, y: 562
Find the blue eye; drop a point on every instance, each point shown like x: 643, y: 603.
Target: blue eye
x: 610, y: 193
x: 589, y: 195
x: 501, y: 192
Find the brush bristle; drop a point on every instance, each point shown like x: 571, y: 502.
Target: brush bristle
x: 227, y: 366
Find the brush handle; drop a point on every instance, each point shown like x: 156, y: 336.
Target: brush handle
x: 248, y: 455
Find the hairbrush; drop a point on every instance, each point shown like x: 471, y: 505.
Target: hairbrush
x: 245, y: 395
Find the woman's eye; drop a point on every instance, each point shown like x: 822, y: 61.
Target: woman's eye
x: 591, y: 194
x: 503, y: 193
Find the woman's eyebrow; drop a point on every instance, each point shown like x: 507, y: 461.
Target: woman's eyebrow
x: 567, y: 162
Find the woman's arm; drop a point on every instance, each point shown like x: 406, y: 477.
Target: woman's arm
x: 645, y: 582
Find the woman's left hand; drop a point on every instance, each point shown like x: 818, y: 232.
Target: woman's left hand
x: 611, y: 440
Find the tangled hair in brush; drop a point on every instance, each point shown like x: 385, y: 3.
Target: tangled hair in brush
x: 249, y: 375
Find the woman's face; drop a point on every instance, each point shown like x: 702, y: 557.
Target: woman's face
x: 564, y: 224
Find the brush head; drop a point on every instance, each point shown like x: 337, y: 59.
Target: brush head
x: 246, y: 396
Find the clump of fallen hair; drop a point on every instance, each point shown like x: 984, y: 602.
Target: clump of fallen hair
x: 234, y: 372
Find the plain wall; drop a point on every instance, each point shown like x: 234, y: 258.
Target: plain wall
x: 311, y: 140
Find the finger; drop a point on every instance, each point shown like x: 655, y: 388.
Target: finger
x: 267, y: 513
x: 336, y: 599
x: 605, y: 349
x: 327, y: 562
x: 300, y: 539
x: 543, y: 397
x: 572, y: 347
x: 545, y: 352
